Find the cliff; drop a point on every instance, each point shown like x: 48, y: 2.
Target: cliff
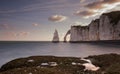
x: 107, y: 27
x: 79, y: 33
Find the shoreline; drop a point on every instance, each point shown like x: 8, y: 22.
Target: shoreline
x: 69, y: 41
x: 98, y: 41
x: 63, y: 65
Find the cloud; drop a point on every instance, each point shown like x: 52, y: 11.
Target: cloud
x: 23, y: 33
x: 8, y: 35
x: 4, y: 26
x: 35, y: 24
x: 95, y: 5
x: 57, y: 18
x: 81, y: 1
x: 101, y: 4
x: 12, y: 35
x: 92, y: 9
x: 38, y: 6
x: 110, y: 1
x: 85, y: 13
x: 7, y: 27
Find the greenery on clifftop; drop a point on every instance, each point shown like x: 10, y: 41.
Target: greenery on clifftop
x: 108, y: 63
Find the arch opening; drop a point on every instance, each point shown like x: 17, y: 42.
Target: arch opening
x: 67, y: 36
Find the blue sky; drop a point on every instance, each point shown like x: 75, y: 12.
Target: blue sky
x: 36, y: 20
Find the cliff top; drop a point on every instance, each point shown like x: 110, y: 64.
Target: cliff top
x: 114, y: 16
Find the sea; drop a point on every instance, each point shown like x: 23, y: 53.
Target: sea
x: 12, y: 50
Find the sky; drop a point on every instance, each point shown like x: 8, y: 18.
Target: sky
x: 36, y: 20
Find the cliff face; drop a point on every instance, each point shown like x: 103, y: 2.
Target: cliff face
x: 107, y: 27
x: 75, y: 33
x: 93, y: 30
x: 79, y: 33
x: 116, y: 33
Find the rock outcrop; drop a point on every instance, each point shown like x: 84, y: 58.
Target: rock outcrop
x: 107, y: 27
x: 56, y: 36
x: 68, y: 32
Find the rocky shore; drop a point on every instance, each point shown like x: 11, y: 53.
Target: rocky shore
x: 96, y: 64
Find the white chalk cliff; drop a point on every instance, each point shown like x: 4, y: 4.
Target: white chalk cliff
x: 107, y: 27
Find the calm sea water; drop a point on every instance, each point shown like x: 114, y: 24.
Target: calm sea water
x: 12, y: 50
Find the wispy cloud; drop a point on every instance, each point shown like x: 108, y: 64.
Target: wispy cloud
x: 95, y: 5
x: 101, y: 4
x: 8, y: 35
x: 97, y: 8
x: 23, y: 33
x: 57, y: 18
x: 4, y: 26
x: 12, y: 35
x: 82, y: 1
x: 85, y: 13
x: 53, y: 4
x: 35, y: 24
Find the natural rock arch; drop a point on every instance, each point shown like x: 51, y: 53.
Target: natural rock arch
x: 68, y: 32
